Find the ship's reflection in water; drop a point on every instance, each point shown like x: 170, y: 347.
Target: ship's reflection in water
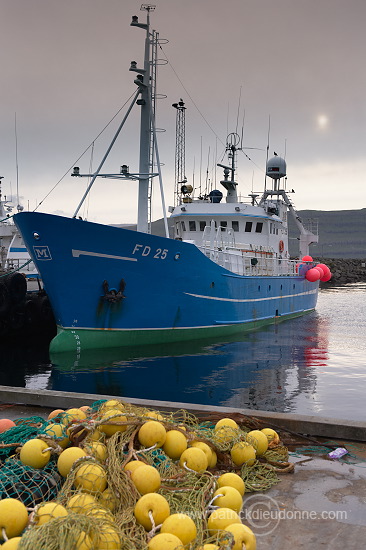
x: 314, y: 364
x: 266, y: 369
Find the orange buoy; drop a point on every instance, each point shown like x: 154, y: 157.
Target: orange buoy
x: 55, y: 413
x: 6, y: 424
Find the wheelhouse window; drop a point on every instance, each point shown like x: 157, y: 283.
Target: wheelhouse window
x: 183, y: 226
x: 202, y: 226
x: 235, y: 225
x: 259, y: 227
x: 248, y: 227
x: 192, y: 225
x: 223, y: 226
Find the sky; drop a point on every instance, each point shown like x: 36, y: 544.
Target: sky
x: 293, y: 70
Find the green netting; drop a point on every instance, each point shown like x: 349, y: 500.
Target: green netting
x: 25, y: 429
x: 28, y: 485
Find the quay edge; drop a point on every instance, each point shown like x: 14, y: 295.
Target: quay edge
x: 303, y: 424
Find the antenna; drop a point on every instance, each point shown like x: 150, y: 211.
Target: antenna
x: 16, y: 159
x: 180, y: 148
x: 227, y: 119
x: 207, y: 171
x: 201, y: 168
x: 237, y: 116
x: 265, y: 172
x: 242, y: 131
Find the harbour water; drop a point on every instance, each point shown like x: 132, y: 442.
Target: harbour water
x: 314, y: 364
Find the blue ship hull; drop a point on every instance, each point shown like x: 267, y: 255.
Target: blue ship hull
x: 171, y: 290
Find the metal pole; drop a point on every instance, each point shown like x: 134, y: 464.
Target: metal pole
x: 145, y: 134
x: 160, y: 178
x: 106, y: 154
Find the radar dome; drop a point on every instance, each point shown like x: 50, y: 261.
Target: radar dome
x: 276, y: 168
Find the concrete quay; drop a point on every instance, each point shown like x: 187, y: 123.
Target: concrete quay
x: 301, y: 424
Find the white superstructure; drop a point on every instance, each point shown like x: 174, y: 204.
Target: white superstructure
x: 244, y: 237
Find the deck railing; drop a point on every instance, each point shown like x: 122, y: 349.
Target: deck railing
x: 251, y: 263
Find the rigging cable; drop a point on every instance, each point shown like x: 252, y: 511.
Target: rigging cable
x: 83, y: 153
x: 190, y: 97
x: 237, y: 116
x: 202, y: 115
x: 16, y: 158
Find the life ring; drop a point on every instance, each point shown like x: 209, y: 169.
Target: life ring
x: 281, y: 246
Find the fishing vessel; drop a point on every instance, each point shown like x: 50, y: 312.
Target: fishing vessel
x: 14, y: 255
x: 7, y: 228
x: 225, y: 269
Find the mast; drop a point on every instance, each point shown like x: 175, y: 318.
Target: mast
x: 180, y: 149
x: 145, y: 97
x: 232, y: 142
x: 145, y: 101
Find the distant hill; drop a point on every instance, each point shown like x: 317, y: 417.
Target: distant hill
x: 342, y: 233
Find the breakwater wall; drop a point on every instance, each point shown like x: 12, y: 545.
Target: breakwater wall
x: 344, y: 270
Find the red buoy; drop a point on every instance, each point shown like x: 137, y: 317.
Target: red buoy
x: 324, y: 267
x: 307, y: 259
x: 312, y: 275
x: 326, y: 277
x: 321, y: 271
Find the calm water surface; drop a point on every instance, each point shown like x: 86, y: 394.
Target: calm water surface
x: 311, y: 365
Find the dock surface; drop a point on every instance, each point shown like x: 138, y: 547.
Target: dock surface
x: 322, y: 505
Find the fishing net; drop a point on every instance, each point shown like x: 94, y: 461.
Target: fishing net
x: 107, y: 492
x: 25, y: 429
x: 70, y: 532
x: 28, y: 485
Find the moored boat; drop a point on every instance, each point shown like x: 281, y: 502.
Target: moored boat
x: 14, y: 255
x: 226, y: 269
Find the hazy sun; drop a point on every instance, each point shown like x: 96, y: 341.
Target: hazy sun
x: 322, y: 121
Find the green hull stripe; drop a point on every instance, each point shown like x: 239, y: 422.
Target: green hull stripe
x: 82, y: 339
